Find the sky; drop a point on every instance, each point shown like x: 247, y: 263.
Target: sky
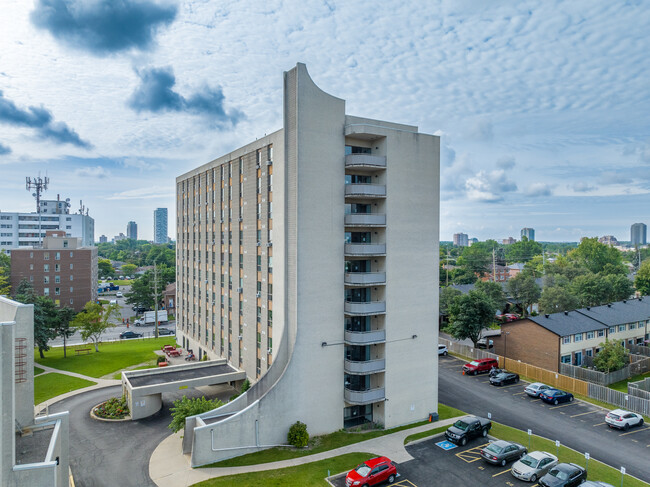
x: 543, y: 107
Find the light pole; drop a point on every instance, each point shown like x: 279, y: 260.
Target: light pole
x: 505, y: 349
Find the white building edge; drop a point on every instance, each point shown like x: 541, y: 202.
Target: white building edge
x: 309, y: 377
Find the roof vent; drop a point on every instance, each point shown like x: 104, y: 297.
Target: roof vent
x: 588, y: 308
x: 624, y: 301
x: 609, y: 305
x: 640, y: 298
x: 546, y: 316
x: 566, y: 313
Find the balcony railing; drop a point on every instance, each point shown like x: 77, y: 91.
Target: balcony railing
x: 364, y: 397
x: 367, y: 308
x: 365, y: 219
x: 365, y: 161
x: 361, y: 338
x: 365, y: 249
x: 365, y: 367
x: 364, y: 278
x: 365, y: 190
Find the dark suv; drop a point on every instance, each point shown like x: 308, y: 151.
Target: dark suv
x: 467, y: 428
x: 564, y: 475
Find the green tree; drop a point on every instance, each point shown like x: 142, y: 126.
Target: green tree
x: 24, y: 293
x: 611, y: 357
x: 105, y: 268
x: 524, y: 290
x: 142, y: 288
x: 45, y: 315
x: 619, y: 287
x: 590, y: 289
x: 595, y: 256
x: 185, y: 407
x: 5, y: 274
x: 447, y: 296
x: 523, y: 251
x: 94, y: 320
x: 62, y: 326
x: 298, y: 435
x: 469, y: 314
x: 129, y: 269
x: 476, y: 259
x: 556, y: 299
x: 494, y: 291
x: 642, y: 279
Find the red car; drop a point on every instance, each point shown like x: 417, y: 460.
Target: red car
x: 372, y: 472
x: 480, y: 365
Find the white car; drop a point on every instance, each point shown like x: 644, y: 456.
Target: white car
x: 113, y: 301
x: 119, y: 294
x: 618, y: 418
x: 533, y: 466
x: 442, y: 350
x: 536, y: 388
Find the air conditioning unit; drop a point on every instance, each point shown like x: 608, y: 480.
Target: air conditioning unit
x: 239, y: 290
x: 258, y: 244
x: 240, y: 219
x: 257, y: 165
x: 268, y: 351
x: 270, y: 244
x: 259, y: 294
x: 269, y: 163
x: 221, y: 221
x: 241, y: 337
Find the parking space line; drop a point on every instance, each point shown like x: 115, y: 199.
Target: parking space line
x: 405, y: 483
x: 600, y: 424
x: 630, y: 432
x: 511, y: 385
x: 588, y: 412
x: 501, y: 473
x: 519, y: 393
x: 563, y: 406
x: 472, y: 454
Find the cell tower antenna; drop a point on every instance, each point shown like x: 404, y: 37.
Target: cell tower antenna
x: 38, y: 184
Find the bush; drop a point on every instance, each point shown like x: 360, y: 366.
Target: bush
x: 114, y: 408
x: 298, y: 435
x: 161, y: 359
x: 185, y: 407
x: 245, y: 386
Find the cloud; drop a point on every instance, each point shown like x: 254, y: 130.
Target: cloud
x: 144, y: 193
x: 506, y: 162
x: 482, y: 130
x: 538, y: 189
x: 92, y: 172
x: 41, y: 120
x: 4, y: 150
x: 142, y: 165
x: 103, y: 27
x: 489, y: 186
x: 156, y: 94
x: 582, y: 187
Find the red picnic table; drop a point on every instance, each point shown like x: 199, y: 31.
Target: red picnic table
x: 175, y: 352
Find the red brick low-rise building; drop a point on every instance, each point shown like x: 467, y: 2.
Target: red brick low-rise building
x: 62, y: 269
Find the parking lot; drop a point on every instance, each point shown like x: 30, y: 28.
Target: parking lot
x: 579, y: 425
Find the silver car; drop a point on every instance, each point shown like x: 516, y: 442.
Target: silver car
x: 534, y: 389
x: 533, y: 466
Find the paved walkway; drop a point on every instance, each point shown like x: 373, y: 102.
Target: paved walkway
x: 168, y: 466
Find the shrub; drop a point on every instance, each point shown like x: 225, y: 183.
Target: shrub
x: 114, y: 408
x: 185, y: 407
x: 161, y: 359
x: 245, y: 386
x: 298, y: 435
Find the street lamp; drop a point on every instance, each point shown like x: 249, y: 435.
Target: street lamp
x: 505, y: 349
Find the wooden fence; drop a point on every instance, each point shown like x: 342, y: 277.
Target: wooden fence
x: 466, y: 350
x: 639, y: 364
x: 639, y: 350
x: 621, y: 399
x: 549, y: 377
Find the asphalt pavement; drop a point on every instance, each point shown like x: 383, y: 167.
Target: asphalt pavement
x: 578, y: 425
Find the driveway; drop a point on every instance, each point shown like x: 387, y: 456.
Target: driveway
x: 116, y: 453
x: 578, y: 425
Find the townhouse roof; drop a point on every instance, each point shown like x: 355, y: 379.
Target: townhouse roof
x: 567, y: 323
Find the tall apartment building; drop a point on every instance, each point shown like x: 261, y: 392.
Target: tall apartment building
x: 62, y: 269
x: 132, y: 230
x: 461, y: 240
x: 508, y: 241
x: 638, y: 234
x: 292, y: 263
x: 103, y: 239
x: 529, y: 233
x: 160, y: 235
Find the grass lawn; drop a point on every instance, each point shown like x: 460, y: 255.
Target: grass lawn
x: 309, y: 474
x: 622, y: 385
x: 424, y: 434
x: 318, y: 444
x: 112, y: 356
x: 595, y: 470
x: 47, y: 386
x: 38, y: 370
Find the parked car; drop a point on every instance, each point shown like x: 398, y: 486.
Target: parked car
x: 480, y: 366
x: 467, y: 428
x: 595, y: 483
x: 564, y: 475
x: 139, y: 309
x: 533, y: 466
x: 165, y: 331
x: 119, y: 294
x: 504, y: 378
x: 372, y: 472
x: 555, y: 396
x: 442, y: 350
x: 113, y: 301
x: 618, y: 418
x: 536, y: 388
x: 130, y: 334
x: 485, y: 343
x: 501, y: 452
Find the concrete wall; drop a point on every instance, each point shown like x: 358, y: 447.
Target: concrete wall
x: 7, y: 426
x: 530, y: 343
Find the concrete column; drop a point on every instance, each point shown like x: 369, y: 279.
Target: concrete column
x: 7, y: 417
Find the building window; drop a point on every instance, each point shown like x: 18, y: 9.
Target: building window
x: 65, y: 244
x: 590, y: 335
x: 565, y: 359
x: 57, y: 279
x: 601, y: 333
x: 71, y: 301
x: 31, y: 278
x: 31, y: 267
x: 71, y: 254
x: 589, y: 352
x: 71, y: 266
x: 57, y: 256
x: 566, y: 340
x: 632, y: 326
x: 46, y: 291
x: 46, y: 279
x: 612, y: 329
x: 71, y: 277
x: 46, y: 256
x: 71, y: 289
x: 57, y: 268
x: 621, y: 327
x: 57, y: 291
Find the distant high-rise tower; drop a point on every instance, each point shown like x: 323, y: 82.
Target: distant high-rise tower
x: 638, y: 233
x: 160, y: 225
x: 132, y: 230
x: 103, y: 239
x: 461, y: 240
x: 529, y: 233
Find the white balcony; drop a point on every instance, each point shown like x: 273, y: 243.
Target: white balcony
x: 367, y: 308
x: 365, y: 161
x: 353, y: 190
x: 364, y: 397
x: 364, y: 278
x: 362, y: 338
x: 365, y: 220
x: 355, y: 249
x: 364, y: 367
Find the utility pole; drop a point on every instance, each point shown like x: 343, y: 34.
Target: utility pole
x: 38, y: 185
x: 155, y: 297
x: 494, y: 267
x: 447, y: 281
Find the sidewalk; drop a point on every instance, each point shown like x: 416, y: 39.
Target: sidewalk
x: 168, y: 467
x: 100, y: 383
